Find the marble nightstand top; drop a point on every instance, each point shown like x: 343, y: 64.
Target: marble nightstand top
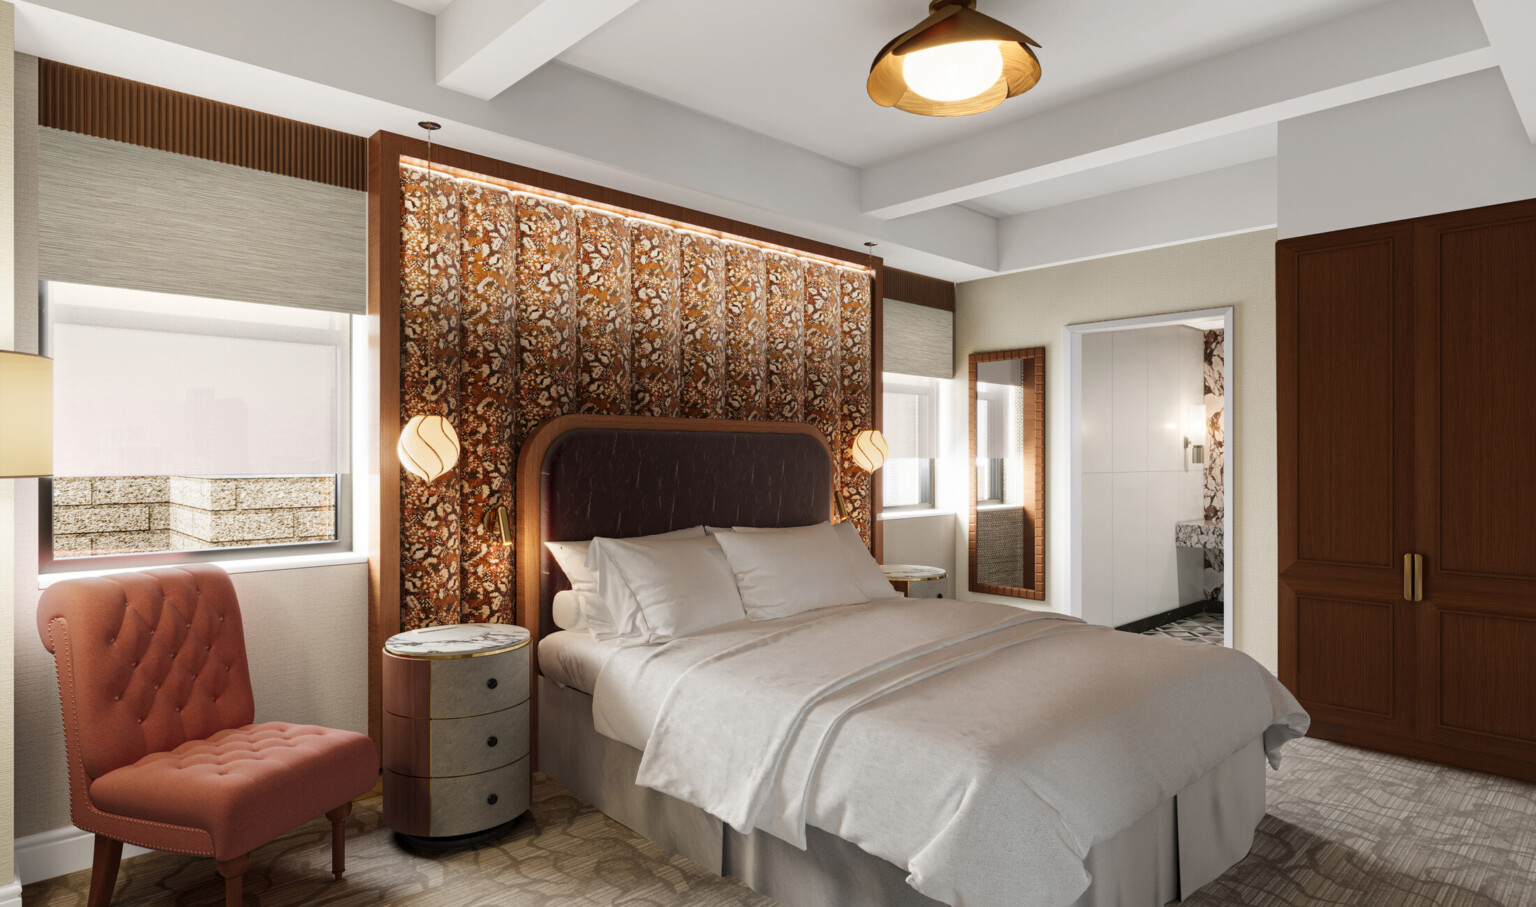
x: 457, y: 641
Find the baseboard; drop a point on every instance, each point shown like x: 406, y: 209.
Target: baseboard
x: 58, y: 852
x: 1168, y: 617
x: 10, y: 895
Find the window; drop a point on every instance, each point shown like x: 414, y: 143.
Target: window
x: 193, y: 425
x: 910, y: 416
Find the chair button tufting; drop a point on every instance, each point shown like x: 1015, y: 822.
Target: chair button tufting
x: 491, y: 800
x: 490, y: 684
x: 491, y: 741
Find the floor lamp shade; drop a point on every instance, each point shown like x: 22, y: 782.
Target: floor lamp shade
x: 26, y: 415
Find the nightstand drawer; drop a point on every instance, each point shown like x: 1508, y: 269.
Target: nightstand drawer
x: 455, y: 687
x: 455, y: 746
x: 442, y: 807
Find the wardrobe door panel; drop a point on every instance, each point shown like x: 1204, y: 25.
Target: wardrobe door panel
x: 1345, y: 394
x: 1476, y: 486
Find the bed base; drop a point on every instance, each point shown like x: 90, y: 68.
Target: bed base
x: 1165, y: 856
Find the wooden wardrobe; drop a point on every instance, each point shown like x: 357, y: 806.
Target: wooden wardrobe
x: 1407, y: 429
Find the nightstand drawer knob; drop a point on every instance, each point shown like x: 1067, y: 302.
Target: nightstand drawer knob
x: 491, y: 800
x: 491, y: 741
x: 490, y: 684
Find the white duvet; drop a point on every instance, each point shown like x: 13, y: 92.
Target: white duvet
x: 983, y: 747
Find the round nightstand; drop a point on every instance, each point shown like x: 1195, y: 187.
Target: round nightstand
x: 456, y: 732
x: 902, y: 576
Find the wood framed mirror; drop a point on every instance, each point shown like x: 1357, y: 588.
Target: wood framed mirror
x: 1007, y: 449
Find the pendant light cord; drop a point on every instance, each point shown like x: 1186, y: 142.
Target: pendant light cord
x: 432, y: 357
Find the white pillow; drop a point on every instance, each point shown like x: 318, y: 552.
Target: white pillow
x: 660, y: 589
x: 863, y: 564
x: 782, y: 572
x: 865, y: 568
x: 568, y: 611
x: 572, y: 558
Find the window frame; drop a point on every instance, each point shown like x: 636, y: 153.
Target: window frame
x: 48, y: 564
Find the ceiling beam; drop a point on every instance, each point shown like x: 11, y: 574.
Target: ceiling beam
x: 1216, y: 203
x: 1380, y: 50
x: 485, y: 47
x: 1511, y: 28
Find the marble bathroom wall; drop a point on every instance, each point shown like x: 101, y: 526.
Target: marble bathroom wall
x: 1215, y: 444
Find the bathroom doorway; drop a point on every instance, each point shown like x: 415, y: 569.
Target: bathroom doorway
x: 1151, y: 474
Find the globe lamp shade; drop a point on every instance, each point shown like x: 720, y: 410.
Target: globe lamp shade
x: 429, y: 447
x: 869, y: 450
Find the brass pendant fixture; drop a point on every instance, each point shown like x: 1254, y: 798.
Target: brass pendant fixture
x: 954, y: 63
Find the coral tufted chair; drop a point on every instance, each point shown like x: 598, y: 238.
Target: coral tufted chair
x: 158, y: 727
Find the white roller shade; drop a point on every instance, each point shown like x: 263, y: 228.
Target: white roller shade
x: 150, y: 384
x: 910, y: 418
x: 917, y: 340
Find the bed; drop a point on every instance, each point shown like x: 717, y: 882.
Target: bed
x: 606, y: 715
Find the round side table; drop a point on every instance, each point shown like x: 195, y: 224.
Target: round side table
x: 902, y: 576
x: 456, y: 733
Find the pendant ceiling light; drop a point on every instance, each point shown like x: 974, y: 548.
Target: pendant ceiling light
x: 954, y: 63
x: 428, y: 446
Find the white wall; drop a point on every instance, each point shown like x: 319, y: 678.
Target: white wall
x: 1032, y: 308
x: 928, y: 540
x: 1138, y: 386
x: 1442, y: 147
x: 10, y: 338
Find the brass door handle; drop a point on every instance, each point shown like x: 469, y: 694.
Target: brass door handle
x: 1413, y: 577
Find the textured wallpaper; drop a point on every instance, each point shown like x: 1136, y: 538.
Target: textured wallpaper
x: 536, y: 308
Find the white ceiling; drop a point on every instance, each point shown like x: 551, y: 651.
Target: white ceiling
x: 1155, y: 122
x: 427, y: 6
x: 795, y: 69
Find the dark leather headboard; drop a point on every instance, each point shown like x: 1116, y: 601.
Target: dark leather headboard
x: 620, y: 476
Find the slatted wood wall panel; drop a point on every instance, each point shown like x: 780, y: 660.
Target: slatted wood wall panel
x: 108, y: 107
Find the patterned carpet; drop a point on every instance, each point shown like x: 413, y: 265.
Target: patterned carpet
x: 1207, y: 628
x: 1345, y: 827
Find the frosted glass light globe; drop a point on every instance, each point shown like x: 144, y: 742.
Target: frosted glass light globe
x: 428, y: 447
x: 953, y: 72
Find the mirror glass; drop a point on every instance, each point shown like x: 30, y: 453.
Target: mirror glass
x: 1007, y: 526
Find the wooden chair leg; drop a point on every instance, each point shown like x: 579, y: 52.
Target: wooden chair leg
x: 109, y: 855
x: 338, y: 817
x: 233, y: 872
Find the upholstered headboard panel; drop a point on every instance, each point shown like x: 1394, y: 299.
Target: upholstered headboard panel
x: 622, y: 476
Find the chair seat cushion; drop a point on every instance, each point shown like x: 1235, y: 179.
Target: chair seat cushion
x: 245, y: 785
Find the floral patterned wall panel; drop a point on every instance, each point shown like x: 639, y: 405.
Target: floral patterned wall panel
x: 517, y: 308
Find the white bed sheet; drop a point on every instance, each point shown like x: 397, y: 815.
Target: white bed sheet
x: 574, y: 658
x: 1071, y: 732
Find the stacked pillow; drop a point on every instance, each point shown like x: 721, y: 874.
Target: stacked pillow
x: 656, y: 588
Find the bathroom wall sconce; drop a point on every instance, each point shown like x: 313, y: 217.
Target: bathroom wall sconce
x: 498, y: 523
x: 1194, y: 435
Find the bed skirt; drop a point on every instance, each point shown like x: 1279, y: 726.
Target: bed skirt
x: 1165, y: 856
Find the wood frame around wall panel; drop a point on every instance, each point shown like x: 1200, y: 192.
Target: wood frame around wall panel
x: 386, y: 152
x: 109, y: 107
x: 1037, y: 356
x: 919, y: 289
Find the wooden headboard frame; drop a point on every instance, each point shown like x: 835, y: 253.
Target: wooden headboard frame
x: 530, y: 487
